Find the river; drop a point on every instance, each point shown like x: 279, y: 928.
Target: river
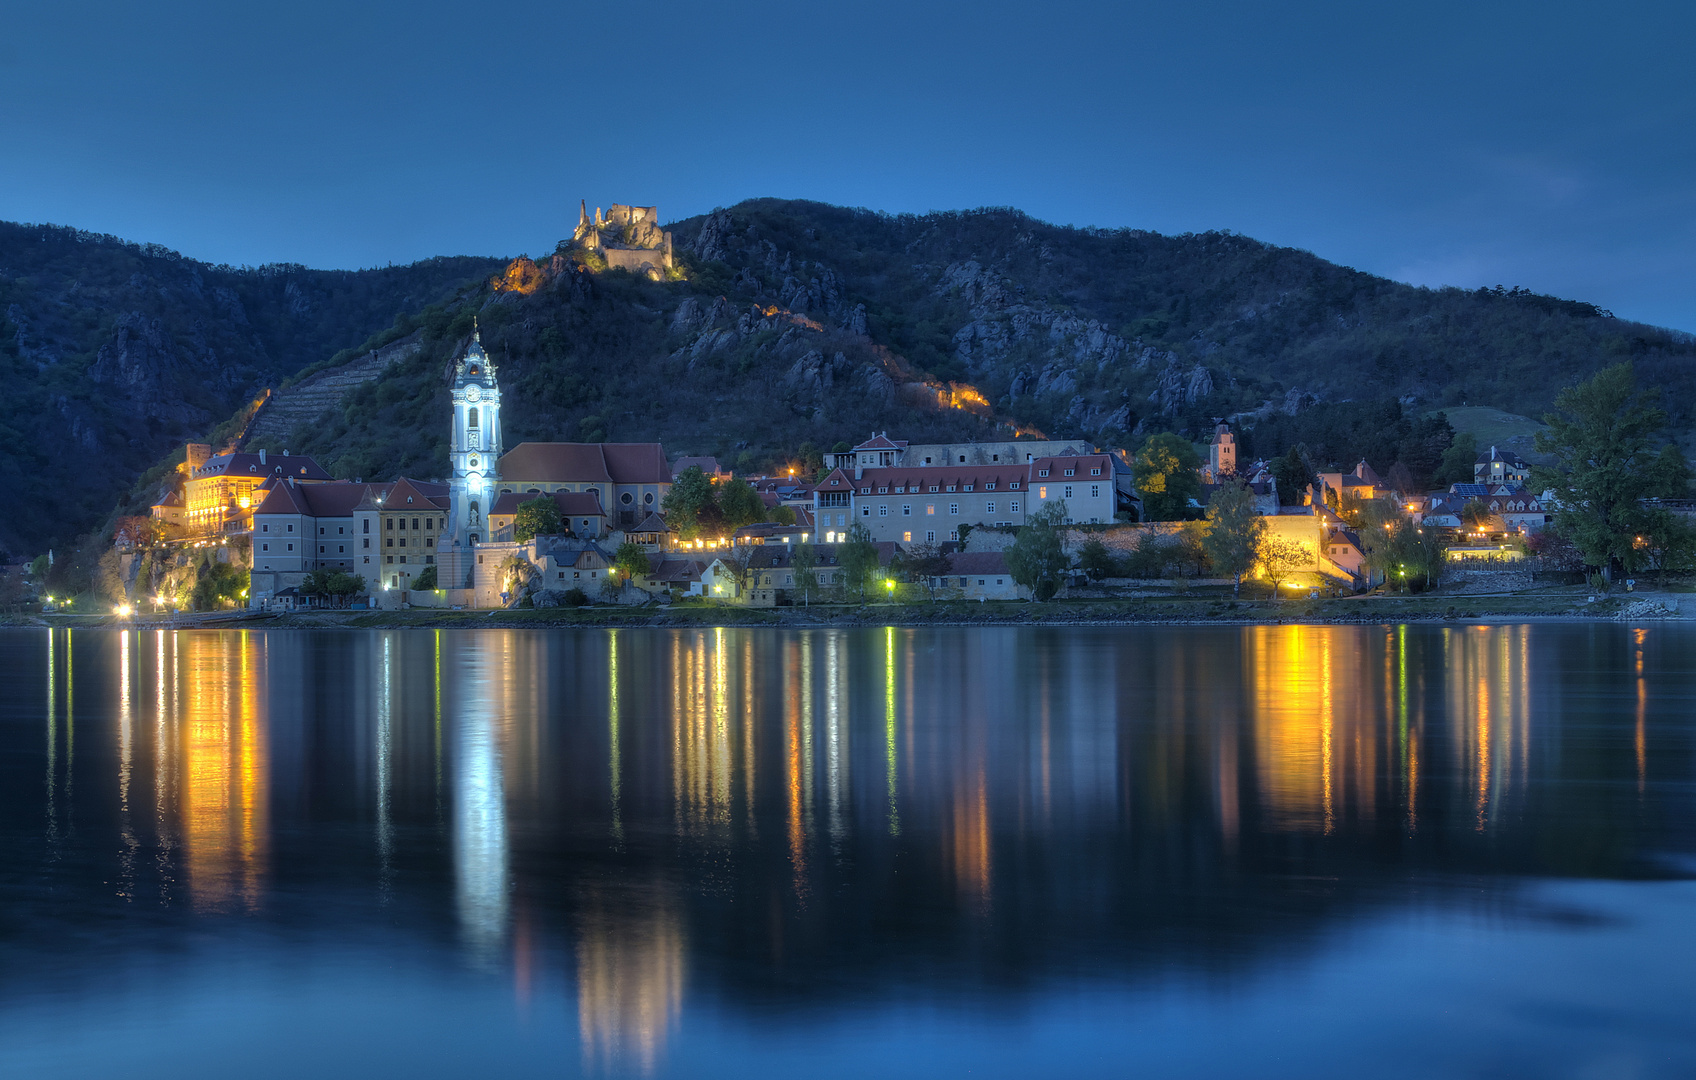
x: 1179, y: 851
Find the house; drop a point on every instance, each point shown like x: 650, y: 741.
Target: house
x: 220, y: 491
x: 630, y: 479
x: 882, y: 452
x: 579, y: 511
x: 980, y: 575
x: 1360, y: 484
x: 1498, y: 467
x: 708, y: 465
x: 671, y: 575
x: 400, y: 530
x: 770, y: 577
x: 299, y: 528
x: 928, y: 504
x: 651, y: 533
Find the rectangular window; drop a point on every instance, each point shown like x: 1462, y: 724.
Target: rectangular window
x: 989, y: 508
x: 930, y: 537
x: 930, y: 509
x: 391, y: 525
x: 340, y: 531
x: 1071, y: 472
x: 953, y: 508
x: 865, y: 511
x: 1012, y: 508
x: 1042, y: 472
x: 366, y: 544
x: 883, y: 511
x: 1068, y: 494
x: 1042, y: 492
x: 989, y: 486
x: 390, y: 542
x: 907, y: 537
x: 414, y: 523
x: 430, y: 541
x: 906, y: 510
x: 264, y: 547
x: 367, y: 558
x: 865, y: 491
x: 1095, y: 472
x: 341, y: 549
x: 291, y: 547
x: 291, y: 527
x: 322, y: 549
x: 367, y: 524
x: 388, y: 558
x: 264, y: 528
x: 1095, y: 491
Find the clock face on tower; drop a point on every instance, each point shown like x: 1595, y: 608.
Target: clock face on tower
x: 472, y: 393
x: 473, y: 462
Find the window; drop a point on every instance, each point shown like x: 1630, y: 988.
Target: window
x: 1068, y: 494
x: 627, y: 498
x: 989, y: 486
x: 340, y: 531
x: 954, y: 508
x: 403, y: 541
x: 930, y: 537
x: 1042, y: 492
x: 865, y: 511
x: 429, y: 541
x: 322, y: 549
x: 264, y: 547
x: 471, y: 417
x: 264, y: 528
x: 989, y: 508
x: 561, y: 575
x: 403, y: 559
x: 883, y: 490
x: 1095, y: 491
x: 366, y: 544
x: 391, y: 525
x: 1014, y: 485
x: 291, y: 527
x: 414, y: 520
x: 1095, y: 472
x: 341, y: 549
x: 968, y: 487
x: 320, y: 530
x: 1042, y: 472
x: 388, y: 558
x: 842, y: 519
x: 367, y: 524
x: 291, y: 547
x: 883, y: 511
x: 367, y: 558
x: 391, y: 542
x: 1071, y: 472
x: 906, y: 510
x: 648, y: 498
x: 907, y: 537
x: 865, y: 491
x: 930, y: 509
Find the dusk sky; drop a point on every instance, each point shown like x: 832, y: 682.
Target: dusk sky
x: 1547, y: 145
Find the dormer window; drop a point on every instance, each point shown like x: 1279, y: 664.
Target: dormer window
x: 1042, y: 472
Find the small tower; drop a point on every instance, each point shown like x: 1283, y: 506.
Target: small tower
x: 474, y: 451
x: 1221, y: 452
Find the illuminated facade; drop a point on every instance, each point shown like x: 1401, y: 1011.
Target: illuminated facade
x: 474, y: 450
x: 221, y: 491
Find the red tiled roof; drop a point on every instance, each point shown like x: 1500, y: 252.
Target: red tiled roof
x: 880, y: 441
x: 280, y: 500
x: 330, y: 500
x: 575, y: 463
x: 572, y: 504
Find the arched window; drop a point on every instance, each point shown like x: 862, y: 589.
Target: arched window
x: 472, y: 418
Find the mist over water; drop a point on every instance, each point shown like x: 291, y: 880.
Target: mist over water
x: 1267, y: 850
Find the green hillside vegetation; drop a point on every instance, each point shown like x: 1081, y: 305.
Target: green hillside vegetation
x: 794, y: 323
x: 1493, y: 427
x: 116, y: 352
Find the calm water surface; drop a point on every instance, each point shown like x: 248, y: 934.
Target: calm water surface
x: 1261, y: 851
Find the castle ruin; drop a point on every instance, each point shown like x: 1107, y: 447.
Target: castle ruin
x: 628, y: 236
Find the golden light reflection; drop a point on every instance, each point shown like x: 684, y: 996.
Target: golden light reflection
x: 889, y: 727
x: 224, y: 796
x: 702, y: 762
x: 1489, y: 707
x: 629, y: 984
x: 1640, y: 737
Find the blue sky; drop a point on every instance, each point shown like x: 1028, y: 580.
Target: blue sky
x: 1548, y: 145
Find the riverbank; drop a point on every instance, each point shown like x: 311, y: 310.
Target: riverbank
x: 1563, y: 604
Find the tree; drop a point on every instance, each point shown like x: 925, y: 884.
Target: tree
x: 1234, y: 531
x: 689, y: 506
x: 1096, y: 559
x: 858, y: 557
x: 1603, y: 440
x: 1457, y: 461
x: 219, y: 584
x: 927, y: 562
x: 740, y: 503
x: 802, y: 559
x: 1294, y: 473
x: 1279, y: 558
x: 783, y: 515
x: 426, y: 581
x: 537, y: 517
x: 629, y: 563
x: 1187, y: 548
x: 1037, y: 558
x: 1475, y: 515
x: 1165, y: 475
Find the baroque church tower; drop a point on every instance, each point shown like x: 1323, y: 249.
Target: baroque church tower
x: 475, y: 451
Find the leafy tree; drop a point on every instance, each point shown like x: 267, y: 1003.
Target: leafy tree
x: 1279, y: 558
x: 783, y: 515
x: 927, y: 562
x: 1294, y: 473
x: 1165, y: 475
x: 803, y: 557
x: 629, y: 563
x: 537, y: 517
x: 1037, y: 558
x: 1607, y: 462
x: 1455, y: 467
x: 1188, y: 550
x: 1474, y: 514
x: 689, y: 506
x: 1234, y: 532
x: 426, y: 581
x: 739, y: 503
x: 858, y: 557
x: 1096, y: 559
x: 339, y: 586
x: 218, y: 585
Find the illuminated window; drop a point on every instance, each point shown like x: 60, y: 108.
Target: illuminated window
x: 1042, y: 492
x: 930, y: 509
x: 907, y: 537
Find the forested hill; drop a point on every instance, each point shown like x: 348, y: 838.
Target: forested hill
x: 115, y: 352
x: 796, y: 322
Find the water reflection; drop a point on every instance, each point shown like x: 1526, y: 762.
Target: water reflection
x: 776, y: 817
